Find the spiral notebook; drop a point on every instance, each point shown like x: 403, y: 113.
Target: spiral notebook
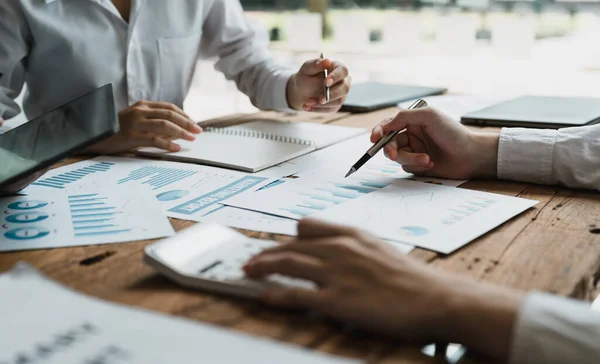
x: 256, y: 145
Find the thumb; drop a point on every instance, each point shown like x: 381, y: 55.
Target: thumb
x: 315, y: 66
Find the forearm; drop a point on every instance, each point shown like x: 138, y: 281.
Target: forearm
x: 267, y: 85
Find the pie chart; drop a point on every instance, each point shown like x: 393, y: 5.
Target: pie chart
x: 28, y: 233
x: 26, y: 217
x: 413, y: 231
x: 172, y: 195
x: 27, y: 205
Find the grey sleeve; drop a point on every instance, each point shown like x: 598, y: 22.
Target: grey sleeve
x: 552, y: 329
x: 15, y: 39
x: 241, y: 47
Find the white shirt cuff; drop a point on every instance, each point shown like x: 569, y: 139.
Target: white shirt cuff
x: 526, y: 155
x: 552, y: 329
x: 277, y: 98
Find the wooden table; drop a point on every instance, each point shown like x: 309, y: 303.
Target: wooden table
x: 553, y: 247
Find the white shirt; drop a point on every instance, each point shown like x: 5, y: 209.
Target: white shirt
x: 63, y: 49
x: 552, y: 329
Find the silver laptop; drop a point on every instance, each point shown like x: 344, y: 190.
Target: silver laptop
x: 538, y: 112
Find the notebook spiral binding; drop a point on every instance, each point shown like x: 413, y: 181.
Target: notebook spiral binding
x: 257, y: 135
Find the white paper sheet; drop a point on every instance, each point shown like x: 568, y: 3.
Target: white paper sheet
x: 44, y: 322
x: 50, y: 219
x: 334, y: 162
x: 185, y: 191
x: 433, y: 217
x: 252, y: 220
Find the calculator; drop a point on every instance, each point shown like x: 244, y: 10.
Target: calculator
x: 210, y: 257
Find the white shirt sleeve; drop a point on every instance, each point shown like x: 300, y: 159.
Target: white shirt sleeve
x: 244, y: 56
x: 569, y: 156
x: 552, y: 329
x: 14, y: 48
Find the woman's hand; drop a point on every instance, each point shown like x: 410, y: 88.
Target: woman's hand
x: 435, y: 145
x: 306, y: 88
x: 149, y: 124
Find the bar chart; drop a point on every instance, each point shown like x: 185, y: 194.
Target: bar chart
x: 157, y: 177
x: 93, y: 215
x: 60, y: 181
x: 299, y: 198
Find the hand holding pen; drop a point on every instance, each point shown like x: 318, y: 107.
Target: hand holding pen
x: 321, y: 85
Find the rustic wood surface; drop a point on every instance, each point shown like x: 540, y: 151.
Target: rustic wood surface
x: 553, y: 247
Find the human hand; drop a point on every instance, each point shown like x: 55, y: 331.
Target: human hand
x: 368, y: 283
x: 306, y: 88
x: 435, y: 145
x: 149, y: 124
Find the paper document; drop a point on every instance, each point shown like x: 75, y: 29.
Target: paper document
x: 88, y: 217
x: 456, y: 106
x: 252, y: 220
x: 185, y: 191
x: 433, y: 217
x: 335, y: 161
x: 44, y: 322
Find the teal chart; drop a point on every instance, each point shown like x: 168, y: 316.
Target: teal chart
x: 185, y: 191
x: 304, y: 197
x: 54, y: 220
x: 430, y: 216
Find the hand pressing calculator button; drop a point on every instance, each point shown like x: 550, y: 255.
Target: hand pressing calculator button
x: 211, y: 257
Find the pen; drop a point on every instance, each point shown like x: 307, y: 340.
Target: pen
x: 382, y: 142
x: 325, y: 74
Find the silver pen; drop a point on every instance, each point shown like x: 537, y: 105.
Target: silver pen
x: 382, y: 142
x: 325, y: 74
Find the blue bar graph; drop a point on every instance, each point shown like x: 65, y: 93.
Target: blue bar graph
x: 157, y: 177
x: 91, y: 210
x: 299, y: 211
x: 313, y: 206
x: 59, y: 181
x: 94, y: 221
x: 338, y: 192
x: 90, y: 227
x: 107, y: 232
x: 330, y: 199
x: 374, y: 184
x: 71, y: 198
x: 359, y: 189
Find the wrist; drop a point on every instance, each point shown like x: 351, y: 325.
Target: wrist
x: 294, y: 99
x: 482, y: 317
x: 485, y: 152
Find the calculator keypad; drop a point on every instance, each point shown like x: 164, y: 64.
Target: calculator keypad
x: 225, y: 264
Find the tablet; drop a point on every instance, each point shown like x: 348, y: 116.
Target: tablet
x: 45, y: 140
x: 369, y: 96
x: 542, y: 112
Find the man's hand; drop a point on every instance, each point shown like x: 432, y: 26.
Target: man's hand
x: 305, y: 90
x: 149, y: 124
x: 435, y: 145
x: 366, y: 282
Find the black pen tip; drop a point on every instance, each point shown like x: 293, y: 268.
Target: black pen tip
x: 350, y: 172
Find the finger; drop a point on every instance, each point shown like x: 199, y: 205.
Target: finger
x: 312, y: 228
x: 167, y: 106
x: 338, y: 73
x: 377, y: 132
x: 337, y: 93
x: 407, y: 158
x: 405, y: 118
x: 391, y: 150
x: 418, y: 170
x: 174, y: 117
x: 315, y: 66
x: 166, y: 129
x: 289, y: 264
x: 329, y: 107
x: 297, y: 298
x: 155, y: 141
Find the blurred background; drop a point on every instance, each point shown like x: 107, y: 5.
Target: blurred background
x: 481, y: 47
x: 495, y: 49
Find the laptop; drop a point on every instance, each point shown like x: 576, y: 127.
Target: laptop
x: 542, y: 112
x: 369, y: 96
